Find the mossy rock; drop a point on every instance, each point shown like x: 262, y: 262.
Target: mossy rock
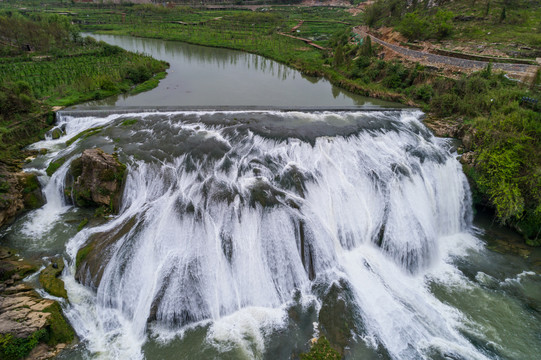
x: 82, y: 254
x: 12, y: 264
x: 54, y: 165
x: 91, y: 259
x: 96, y: 180
x: 321, y: 350
x: 56, y: 133
x: 49, y: 279
x: 32, y: 195
x: 59, y: 330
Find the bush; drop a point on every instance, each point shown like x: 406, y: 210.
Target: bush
x: 424, y: 93
x: 414, y: 27
x: 442, y: 24
x: 138, y: 73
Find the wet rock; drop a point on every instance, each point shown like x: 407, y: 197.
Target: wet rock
x: 444, y: 127
x: 19, y: 191
x: 95, y: 179
x: 92, y: 259
x: 337, y: 318
x: 468, y: 158
x: 56, y: 133
x: 49, y: 278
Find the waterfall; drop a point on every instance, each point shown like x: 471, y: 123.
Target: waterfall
x: 228, y: 216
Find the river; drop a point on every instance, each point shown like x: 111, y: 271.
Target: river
x: 245, y: 232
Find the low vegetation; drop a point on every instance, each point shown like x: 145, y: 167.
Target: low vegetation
x: 45, y: 62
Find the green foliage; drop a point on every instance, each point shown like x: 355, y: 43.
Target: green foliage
x: 424, y: 93
x: 16, y: 98
x: 321, y: 350
x: 500, y: 168
x: 338, y: 56
x: 442, y: 25
x: 59, y: 329
x: 12, y: 348
x: 414, y: 27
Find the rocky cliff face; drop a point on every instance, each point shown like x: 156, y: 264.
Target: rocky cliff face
x: 19, y: 191
x: 95, y: 180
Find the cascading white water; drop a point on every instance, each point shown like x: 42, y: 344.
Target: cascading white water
x: 224, y: 220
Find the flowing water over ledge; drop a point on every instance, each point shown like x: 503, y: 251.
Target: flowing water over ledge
x: 244, y: 233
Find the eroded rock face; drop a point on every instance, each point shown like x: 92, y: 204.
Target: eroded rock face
x: 25, y: 315
x: 19, y: 191
x: 93, y: 257
x: 95, y: 179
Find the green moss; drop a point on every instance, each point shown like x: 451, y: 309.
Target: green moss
x: 82, y: 224
x: 56, y: 134
x: 84, y: 134
x: 129, y: 122
x: 31, y: 183
x: 12, y: 348
x: 76, y: 168
x: 54, y: 165
x: 59, y: 331
x: 31, y: 201
x: 82, y: 254
x: 48, y: 278
x: 321, y: 350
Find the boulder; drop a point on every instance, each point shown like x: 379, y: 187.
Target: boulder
x: 49, y: 278
x: 19, y: 191
x: 95, y: 180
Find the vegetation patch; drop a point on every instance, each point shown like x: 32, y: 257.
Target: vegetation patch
x: 59, y: 330
x: 129, y: 122
x: 82, y: 254
x: 54, y: 165
x: 13, y: 348
x: 84, y: 134
x: 321, y: 350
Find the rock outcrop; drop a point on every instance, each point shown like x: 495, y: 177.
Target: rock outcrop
x: 49, y: 278
x: 92, y: 259
x: 19, y: 191
x: 29, y: 324
x: 95, y: 180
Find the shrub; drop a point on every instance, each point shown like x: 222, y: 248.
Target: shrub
x: 424, y: 93
x: 414, y: 27
x: 442, y: 24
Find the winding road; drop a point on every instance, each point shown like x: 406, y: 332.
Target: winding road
x: 434, y: 59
